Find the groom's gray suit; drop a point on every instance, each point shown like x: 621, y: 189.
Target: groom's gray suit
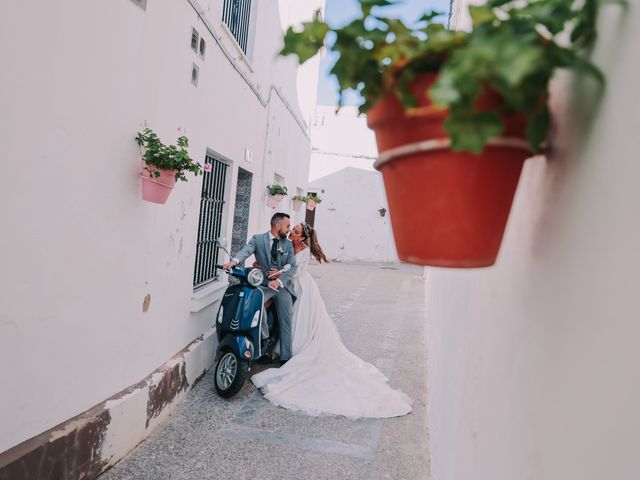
x: 260, y: 246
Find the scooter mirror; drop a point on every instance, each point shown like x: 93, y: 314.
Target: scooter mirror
x: 222, y: 243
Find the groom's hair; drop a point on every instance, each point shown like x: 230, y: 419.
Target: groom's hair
x: 277, y: 217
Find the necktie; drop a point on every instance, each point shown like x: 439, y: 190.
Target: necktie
x: 274, y: 250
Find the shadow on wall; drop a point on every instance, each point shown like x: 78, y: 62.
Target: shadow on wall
x: 574, y: 123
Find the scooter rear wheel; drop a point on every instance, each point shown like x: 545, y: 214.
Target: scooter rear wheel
x: 230, y: 374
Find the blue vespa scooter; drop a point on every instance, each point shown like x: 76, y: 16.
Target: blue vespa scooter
x: 239, y: 327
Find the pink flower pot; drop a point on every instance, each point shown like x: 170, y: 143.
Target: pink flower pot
x: 311, y: 204
x: 157, y: 189
x: 274, y: 200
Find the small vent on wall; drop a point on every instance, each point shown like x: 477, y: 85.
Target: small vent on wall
x: 141, y: 3
x: 195, y: 73
x: 195, y: 39
x: 203, y: 48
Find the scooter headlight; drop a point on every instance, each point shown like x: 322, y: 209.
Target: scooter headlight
x: 220, y: 314
x: 248, y: 354
x: 256, y: 319
x: 255, y: 277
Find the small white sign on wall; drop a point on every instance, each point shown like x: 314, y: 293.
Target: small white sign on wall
x: 248, y: 155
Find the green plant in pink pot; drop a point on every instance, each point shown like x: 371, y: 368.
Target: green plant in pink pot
x: 163, y: 165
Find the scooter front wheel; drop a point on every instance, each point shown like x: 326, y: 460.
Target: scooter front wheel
x: 230, y: 374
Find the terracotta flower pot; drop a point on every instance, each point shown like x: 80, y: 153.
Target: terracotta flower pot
x: 274, y: 200
x: 157, y: 189
x: 447, y: 208
x: 311, y: 204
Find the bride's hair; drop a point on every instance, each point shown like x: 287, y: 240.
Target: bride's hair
x: 310, y: 239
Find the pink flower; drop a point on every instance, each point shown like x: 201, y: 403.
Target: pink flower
x: 207, y: 167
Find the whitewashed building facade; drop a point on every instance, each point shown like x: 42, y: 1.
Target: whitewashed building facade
x: 353, y: 219
x: 107, y: 301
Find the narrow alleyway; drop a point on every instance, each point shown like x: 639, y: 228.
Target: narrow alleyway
x: 380, y: 313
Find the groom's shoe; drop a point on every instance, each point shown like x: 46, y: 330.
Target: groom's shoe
x: 264, y: 360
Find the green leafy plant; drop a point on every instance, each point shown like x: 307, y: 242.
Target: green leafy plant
x: 314, y: 197
x: 376, y: 54
x: 158, y: 156
x: 513, y: 50
x: 299, y: 198
x: 276, y: 189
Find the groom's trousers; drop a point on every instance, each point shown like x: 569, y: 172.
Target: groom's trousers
x: 283, y: 301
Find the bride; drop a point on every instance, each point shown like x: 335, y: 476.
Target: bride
x: 323, y: 377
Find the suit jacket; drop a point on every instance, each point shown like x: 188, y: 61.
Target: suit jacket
x: 260, y: 246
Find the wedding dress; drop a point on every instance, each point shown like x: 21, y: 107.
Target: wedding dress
x: 323, y: 377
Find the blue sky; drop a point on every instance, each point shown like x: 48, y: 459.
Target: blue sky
x: 340, y: 12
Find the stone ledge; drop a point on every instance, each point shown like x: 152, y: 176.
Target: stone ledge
x: 207, y: 295
x: 88, y: 444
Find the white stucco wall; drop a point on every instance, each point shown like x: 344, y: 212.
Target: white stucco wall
x: 460, y: 17
x: 341, y: 171
x: 80, y: 249
x: 533, y: 362
x: 348, y: 222
x: 306, y: 79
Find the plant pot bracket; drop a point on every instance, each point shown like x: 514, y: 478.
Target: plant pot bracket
x: 442, y: 144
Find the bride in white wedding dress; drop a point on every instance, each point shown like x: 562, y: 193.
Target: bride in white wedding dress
x: 323, y: 377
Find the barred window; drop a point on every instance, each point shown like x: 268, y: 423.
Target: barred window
x: 235, y: 15
x: 210, y: 225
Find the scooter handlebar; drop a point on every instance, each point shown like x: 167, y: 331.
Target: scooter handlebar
x: 221, y: 267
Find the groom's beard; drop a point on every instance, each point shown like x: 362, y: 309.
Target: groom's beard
x: 282, y: 235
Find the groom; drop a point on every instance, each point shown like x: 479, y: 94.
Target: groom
x: 275, y: 250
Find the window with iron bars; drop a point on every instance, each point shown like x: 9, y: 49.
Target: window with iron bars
x: 235, y: 15
x: 210, y: 225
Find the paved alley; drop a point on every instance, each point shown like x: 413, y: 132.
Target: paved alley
x: 379, y: 310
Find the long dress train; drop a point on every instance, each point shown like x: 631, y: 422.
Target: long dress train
x: 323, y: 377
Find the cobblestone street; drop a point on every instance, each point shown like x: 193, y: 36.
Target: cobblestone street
x: 379, y: 310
